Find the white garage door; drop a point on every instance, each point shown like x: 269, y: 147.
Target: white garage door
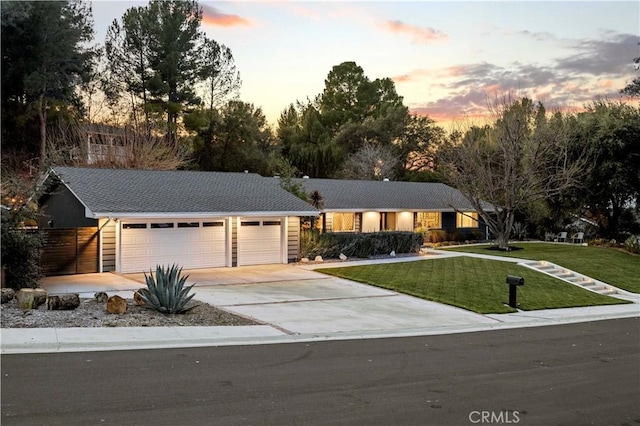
x: 190, y: 244
x: 259, y: 241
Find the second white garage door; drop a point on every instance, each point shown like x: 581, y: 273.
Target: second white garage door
x: 190, y: 244
x: 259, y: 241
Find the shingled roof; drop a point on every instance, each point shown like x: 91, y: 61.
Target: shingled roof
x: 350, y: 195
x: 107, y: 192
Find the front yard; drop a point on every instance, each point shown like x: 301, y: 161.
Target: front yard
x: 618, y: 268
x: 474, y: 284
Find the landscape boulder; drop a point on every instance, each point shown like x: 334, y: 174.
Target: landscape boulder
x: 116, y: 305
x: 137, y: 298
x: 31, y: 298
x: 101, y: 297
x: 63, y: 302
x: 7, y: 295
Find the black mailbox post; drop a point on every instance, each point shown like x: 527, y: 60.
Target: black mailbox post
x: 514, y: 282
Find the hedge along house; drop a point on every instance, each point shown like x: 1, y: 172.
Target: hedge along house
x: 372, y: 206
x: 141, y: 218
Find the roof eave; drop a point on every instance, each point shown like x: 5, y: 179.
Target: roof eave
x: 194, y: 215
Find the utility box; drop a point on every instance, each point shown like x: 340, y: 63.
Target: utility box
x: 514, y: 282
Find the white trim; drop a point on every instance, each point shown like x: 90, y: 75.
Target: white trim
x: 100, y: 266
x: 118, y: 226
x: 156, y: 215
x: 229, y: 241
x: 448, y: 210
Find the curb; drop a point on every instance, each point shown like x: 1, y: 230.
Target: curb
x: 58, y: 340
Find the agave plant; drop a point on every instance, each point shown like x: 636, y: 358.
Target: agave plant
x: 166, y: 292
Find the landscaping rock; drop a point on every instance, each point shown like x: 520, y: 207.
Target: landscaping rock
x: 31, y: 298
x: 64, y: 302
x: 7, y: 295
x: 342, y: 257
x: 137, y: 298
x: 116, y: 305
x: 101, y: 297
x: 304, y: 260
x: 393, y: 253
x: 318, y: 259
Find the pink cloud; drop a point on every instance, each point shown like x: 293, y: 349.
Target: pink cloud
x: 411, y: 76
x: 212, y: 16
x: 420, y: 35
x: 607, y: 84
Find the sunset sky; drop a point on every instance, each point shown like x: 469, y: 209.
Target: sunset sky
x: 446, y: 58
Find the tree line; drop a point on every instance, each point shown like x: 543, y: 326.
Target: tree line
x: 158, y: 77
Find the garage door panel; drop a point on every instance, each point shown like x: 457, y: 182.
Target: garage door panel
x: 188, y: 246
x: 259, y: 241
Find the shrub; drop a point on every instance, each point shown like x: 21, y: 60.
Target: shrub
x: 519, y: 231
x: 21, y: 256
x: 477, y: 235
x: 438, y: 235
x: 330, y: 245
x: 167, y: 293
x: 632, y: 244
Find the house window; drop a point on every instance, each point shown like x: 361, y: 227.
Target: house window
x: 343, y: 222
x: 207, y: 224
x: 251, y: 223
x: 164, y: 225
x: 134, y: 226
x: 467, y: 220
x: 188, y: 224
x: 271, y: 223
x: 429, y: 220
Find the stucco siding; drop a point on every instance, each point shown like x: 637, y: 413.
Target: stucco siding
x: 370, y: 222
x: 404, y: 221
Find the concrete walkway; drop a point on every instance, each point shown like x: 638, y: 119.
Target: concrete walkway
x: 294, y: 302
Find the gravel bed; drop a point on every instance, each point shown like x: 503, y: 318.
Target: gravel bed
x: 90, y: 313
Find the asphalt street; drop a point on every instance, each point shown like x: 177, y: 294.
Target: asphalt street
x: 586, y: 373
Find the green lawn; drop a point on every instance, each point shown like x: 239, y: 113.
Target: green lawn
x: 471, y: 283
x: 611, y: 266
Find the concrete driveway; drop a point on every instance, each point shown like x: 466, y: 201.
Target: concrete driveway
x: 293, y: 299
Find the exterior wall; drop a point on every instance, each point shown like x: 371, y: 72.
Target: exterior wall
x: 404, y: 221
x: 370, y: 222
x: 61, y: 209
x: 107, y: 245
x: 293, y: 239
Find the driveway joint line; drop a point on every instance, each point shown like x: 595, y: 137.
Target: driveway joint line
x: 280, y: 302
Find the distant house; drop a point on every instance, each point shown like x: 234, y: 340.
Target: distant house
x: 131, y: 220
x: 112, y: 146
x: 372, y: 206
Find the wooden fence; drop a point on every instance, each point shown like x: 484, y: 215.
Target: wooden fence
x: 69, y: 251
